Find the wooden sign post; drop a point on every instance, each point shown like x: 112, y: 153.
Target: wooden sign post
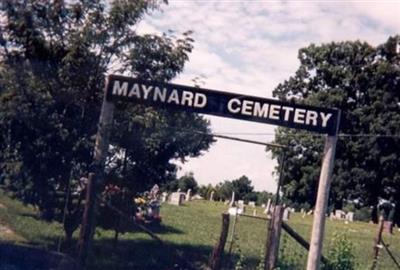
x: 317, y: 234
x: 95, y: 180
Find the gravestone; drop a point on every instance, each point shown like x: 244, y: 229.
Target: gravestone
x: 350, y: 216
x: 339, y: 214
x: 252, y: 204
x: 242, y: 208
x: 233, y: 211
x: 232, y: 202
x: 176, y: 198
x: 240, y: 202
x: 164, y: 197
x: 286, y: 214
x: 197, y: 197
x: 268, y: 207
x: 254, y: 212
x: 212, y: 196
x: 188, y: 195
x: 263, y: 205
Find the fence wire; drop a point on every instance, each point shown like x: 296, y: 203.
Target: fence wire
x: 291, y: 254
x: 246, y: 243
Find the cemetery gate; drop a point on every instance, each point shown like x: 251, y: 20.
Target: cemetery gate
x: 218, y: 103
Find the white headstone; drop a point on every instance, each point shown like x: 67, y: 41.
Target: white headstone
x: 339, y: 214
x: 268, y: 207
x: 240, y: 202
x: 188, y: 195
x: 197, y: 197
x: 350, y: 216
x: 164, y: 197
x: 176, y: 198
x: 263, y: 205
x: 253, y: 204
x: 286, y: 214
x: 212, y: 196
x: 233, y: 211
x: 255, y: 212
x: 232, y: 202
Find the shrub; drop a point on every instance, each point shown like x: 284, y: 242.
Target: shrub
x: 363, y: 214
x: 340, y: 254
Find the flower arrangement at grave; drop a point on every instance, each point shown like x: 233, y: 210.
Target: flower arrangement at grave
x: 148, y: 206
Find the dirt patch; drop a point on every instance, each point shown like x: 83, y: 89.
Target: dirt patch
x: 5, y: 230
x: 2, y: 206
x: 7, y: 234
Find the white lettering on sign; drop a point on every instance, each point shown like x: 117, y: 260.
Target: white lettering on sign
x: 311, y: 118
x: 135, y: 91
x: 174, y: 97
x: 234, y: 105
x: 200, y: 100
x: 247, y: 107
x: 261, y: 110
x: 278, y: 112
x: 274, y: 112
x: 325, y: 118
x: 299, y: 116
x: 160, y: 95
x: 187, y: 98
x: 120, y: 90
x: 157, y: 94
x: 239, y: 106
x: 146, y: 91
x: 287, y: 110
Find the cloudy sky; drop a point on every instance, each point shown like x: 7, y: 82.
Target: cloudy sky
x: 250, y: 47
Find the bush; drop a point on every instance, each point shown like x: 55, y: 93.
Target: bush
x: 340, y: 255
x: 363, y: 214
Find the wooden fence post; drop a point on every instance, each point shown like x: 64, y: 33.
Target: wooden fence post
x: 85, y: 234
x: 216, y: 256
x: 273, y: 238
x: 377, y: 242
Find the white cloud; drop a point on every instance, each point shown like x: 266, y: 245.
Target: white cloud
x: 250, y: 47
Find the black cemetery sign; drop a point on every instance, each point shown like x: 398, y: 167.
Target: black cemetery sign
x: 224, y: 104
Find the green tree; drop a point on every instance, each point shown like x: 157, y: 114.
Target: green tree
x: 205, y: 191
x: 53, y: 59
x: 242, y: 187
x: 363, y: 81
x: 187, y: 182
x: 184, y: 183
x: 225, y: 190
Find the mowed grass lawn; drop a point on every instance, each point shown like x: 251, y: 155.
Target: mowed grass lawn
x: 189, y: 232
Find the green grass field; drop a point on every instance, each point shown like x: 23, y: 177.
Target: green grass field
x: 189, y: 233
